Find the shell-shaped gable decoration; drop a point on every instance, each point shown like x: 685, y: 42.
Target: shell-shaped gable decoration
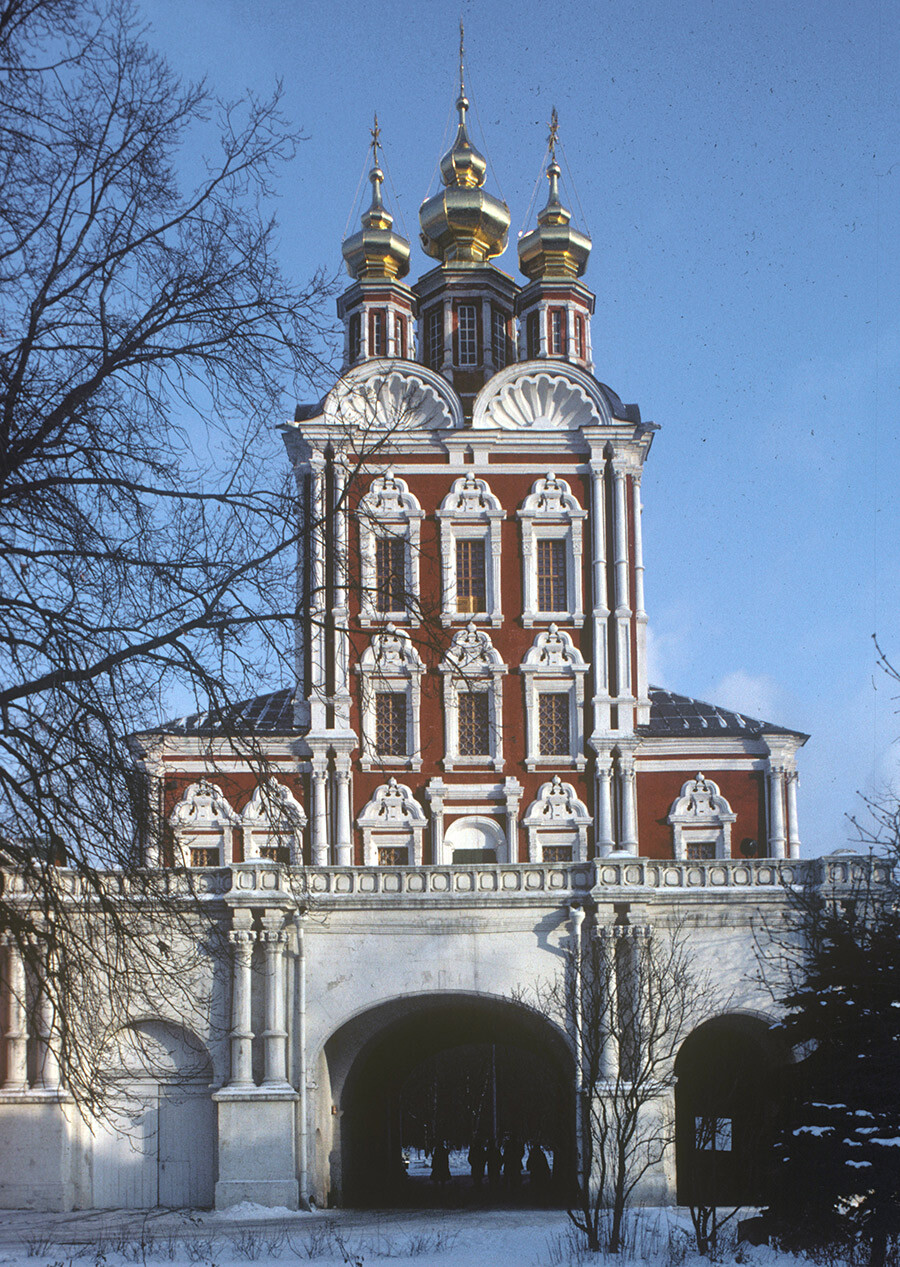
x: 380, y: 396
x: 540, y: 400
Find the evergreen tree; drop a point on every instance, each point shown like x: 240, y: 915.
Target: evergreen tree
x: 837, y: 1167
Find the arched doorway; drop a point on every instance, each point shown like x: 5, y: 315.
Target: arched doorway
x: 475, y: 839
x: 457, y: 1070
x: 727, y: 1099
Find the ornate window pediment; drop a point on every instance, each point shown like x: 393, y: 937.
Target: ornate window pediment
x: 551, y: 519
x: 470, y: 517
x: 390, y: 666
x: 203, y: 823
x: 392, y: 825
x: 389, y: 518
x: 554, y: 666
x: 701, y: 821
x: 473, y: 700
x: 273, y: 822
x: 557, y: 823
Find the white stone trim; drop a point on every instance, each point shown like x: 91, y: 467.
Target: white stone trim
x: 389, y: 509
x: 554, y: 664
x: 273, y: 817
x: 472, y: 663
x: 551, y: 511
x: 557, y: 817
x: 470, y: 511
x: 392, y: 819
x: 203, y: 819
x: 390, y: 397
x: 541, y: 395
x: 391, y: 663
x: 475, y: 798
x: 700, y: 816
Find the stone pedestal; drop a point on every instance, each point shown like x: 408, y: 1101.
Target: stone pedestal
x: 257, y: 1148
x: 38, y: 1152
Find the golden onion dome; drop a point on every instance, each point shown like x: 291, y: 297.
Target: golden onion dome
x: 462, y: 224
x: 554, y: 248
x: 376, y: 252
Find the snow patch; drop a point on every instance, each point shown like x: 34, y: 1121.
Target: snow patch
x: 252, y: 1210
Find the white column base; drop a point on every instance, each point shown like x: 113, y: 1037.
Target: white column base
x: 257, y: 1149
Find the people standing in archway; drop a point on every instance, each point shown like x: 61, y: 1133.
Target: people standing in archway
x: 539, y: 1172
x: 513, y: 1153
x: 493, y: 1159
x: 477, y: 1158
x: 440, y: 1164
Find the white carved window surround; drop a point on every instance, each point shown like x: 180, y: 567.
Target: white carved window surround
x: 701, y: 821
x: 273, y: 823
x: 389, y: 511
x: 390, y: 664
x: 473, y: 665
x: 554, y: 665
x: 392, y: 825
x: 470, y: 512
x: 551, y: 512
x: 557, y: 824
x: 203, y: 823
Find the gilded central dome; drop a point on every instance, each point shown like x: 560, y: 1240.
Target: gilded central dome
x: 463, y: 224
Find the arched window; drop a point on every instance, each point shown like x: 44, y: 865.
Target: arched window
x: 554, y: 672
x: 390, y: 671
x: 551, y: 520
x: 203, y: 823
x: 273, y: 823
x: 389, y: 533
x: 473, y: 701
x: 470, y: 517
x: 557, y: 824
x: 701, y: 821
x: 392, y: 825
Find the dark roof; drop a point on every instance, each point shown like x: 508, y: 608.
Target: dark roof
x: 672, y: 714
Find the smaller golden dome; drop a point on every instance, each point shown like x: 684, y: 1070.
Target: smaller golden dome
x: 376, y: 251
x: 554, y: 248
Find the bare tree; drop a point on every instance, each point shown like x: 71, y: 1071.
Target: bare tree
x: 628, y: 995
x: 146, y: 553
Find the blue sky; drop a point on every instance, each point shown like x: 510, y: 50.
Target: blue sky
x: 739, y: 173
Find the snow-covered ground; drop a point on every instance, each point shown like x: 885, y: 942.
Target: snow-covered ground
x: 249, y: 1233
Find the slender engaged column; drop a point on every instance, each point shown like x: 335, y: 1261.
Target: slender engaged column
x: 609, y: 1029
x: 319, y: 818
x: 47, y: 1061
x: 629, y: 841
x: 17, y: 1033
x: 242, y: 939
x: 776, y: 812
x: 275, y: 1033
x: 793, y: 829
x: 576, y: 920
x: 605, y: 840
x: 303, y: 1141
x: 599, y: 608
x: 344, y: 843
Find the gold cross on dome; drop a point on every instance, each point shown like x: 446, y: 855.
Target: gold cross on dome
x: 375, y: 133
x: 554, y: 132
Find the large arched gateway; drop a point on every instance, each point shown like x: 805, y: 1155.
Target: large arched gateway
x: 456, y: 1068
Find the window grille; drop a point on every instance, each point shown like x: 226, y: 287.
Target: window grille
x: 471, y: 586
x: 390, y: 566
x: 393, y: 856
x: 400, y: 337
x: 474, y: 724
x: 390, y: 723
x: 204, y: 857
x: 702, y: 852
x: 533, y: 335
x: 580, y: 345
x: 377, y: 338
x: 551, y: 575
x: 355, y: 338
x: 467, y: 322
x: 556, y: 853
x: 276, y: 853
x: 553, y: 725
x: 557, y: 331
x: 498, y: 338
x: 434, y: 338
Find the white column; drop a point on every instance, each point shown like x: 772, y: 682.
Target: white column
x: 629, y: 840
x: 319, y: 812
x: 317, y: 597
x: 275, y: 1033
x: 242, y: 938
x: 600, y: 610
x: 605, y: 841
x: 344, y: 839
x: 623, y: 611
x: 47, y: 1060
x: 448, y: 336
x: 776, y: 811
x: 792, y: 825
x: 641, y: 688
x: 17, y: 1034
x: 340, y: 611
x: 513, y: 793
x: 487, y: 335
x: 303, y: 1141
x: 436, y: 801
x: 609, y: 1033
x: 576, y: 920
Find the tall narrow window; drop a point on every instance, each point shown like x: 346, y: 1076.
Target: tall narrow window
x: 400, y: 337
x: 554, y: 737
x: 377, y: 332
x: 390, y: 579
x: 355, y: 338
x: 498, y: 338
x: 390, y: 724
x: 580, y: 344
x: 471, y: 588
x: 467, y: 332
x: 533, y: 335
x: 474, y: 724
x: 434, y: 338
x: 557, y: 331
x: 551, y: 574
